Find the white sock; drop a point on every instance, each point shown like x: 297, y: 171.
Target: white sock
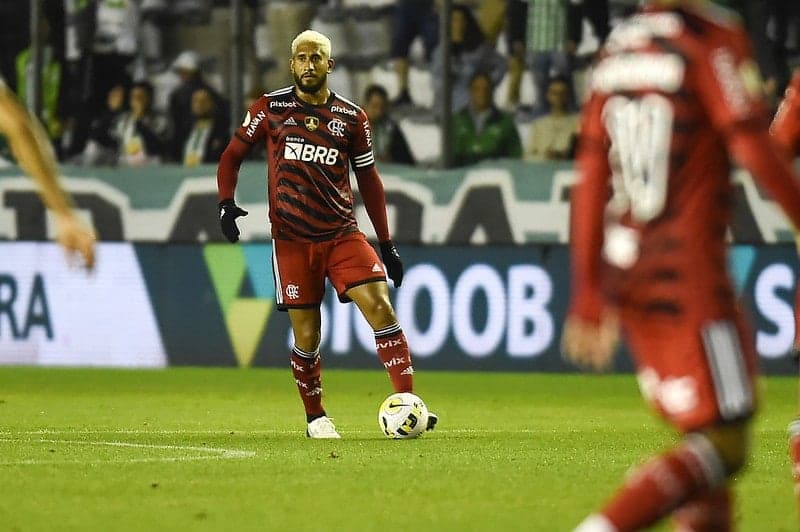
x: 596, y: 523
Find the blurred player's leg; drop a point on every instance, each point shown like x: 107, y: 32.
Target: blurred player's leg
x: 698, y: 373
x: 666, y: 482
x: 709, y: 513
x: 794, y: 452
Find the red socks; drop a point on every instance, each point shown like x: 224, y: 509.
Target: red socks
x: 794, y: 452
x: 306, y: 368
x: 666, y: 483
x: 708, y: 513
x: 393, y: 352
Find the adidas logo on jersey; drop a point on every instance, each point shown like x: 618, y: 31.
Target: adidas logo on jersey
x: 290, y: 121
x: 376, y: 268
x: 296, y: 151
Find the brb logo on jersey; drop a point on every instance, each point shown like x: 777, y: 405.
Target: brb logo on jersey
x: 299, y: 151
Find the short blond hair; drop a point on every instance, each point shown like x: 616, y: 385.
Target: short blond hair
x: 314, y: 37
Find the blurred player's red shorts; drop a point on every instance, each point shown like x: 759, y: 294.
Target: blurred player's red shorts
x: 300, y: 269
x: 695, y: 370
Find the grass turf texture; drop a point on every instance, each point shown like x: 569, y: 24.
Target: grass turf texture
x: 223, y: 449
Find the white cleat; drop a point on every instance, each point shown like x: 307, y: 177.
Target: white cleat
x: 322, y: 428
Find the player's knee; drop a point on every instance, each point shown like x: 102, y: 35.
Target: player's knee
x: 380, y: 313
x: 732, y: 444
x: 307, y: 339
x: 382, y: 309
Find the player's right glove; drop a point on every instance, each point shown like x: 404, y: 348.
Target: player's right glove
x: 228, y: 212
x: 391, y: 259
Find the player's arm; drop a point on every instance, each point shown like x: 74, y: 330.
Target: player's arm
x: 371, y: 188
x: 34, y: 154
x: 726, y: 81
x: 252, y: 130
x: 785, y: 128
x: 590, y: 331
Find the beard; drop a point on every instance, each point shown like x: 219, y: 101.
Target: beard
x: 309, y: 86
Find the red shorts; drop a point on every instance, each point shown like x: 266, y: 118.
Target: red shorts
x: 300, y: 269
x: 695, y: 371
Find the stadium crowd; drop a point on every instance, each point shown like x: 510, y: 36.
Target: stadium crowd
x: 137, y: 82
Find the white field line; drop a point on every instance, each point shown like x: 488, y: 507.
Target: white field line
x: 208, y: 453
x: 224, y: 432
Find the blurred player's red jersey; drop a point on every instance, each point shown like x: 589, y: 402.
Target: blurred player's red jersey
x: 309, y: 152
x: 673, y: 95
x: 786, y: 124
x: 785, y: 130
x: 658, y: 113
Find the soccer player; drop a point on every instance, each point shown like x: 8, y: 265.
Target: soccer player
x: 786, y: 130
x: 32, y: 149
x: 674, y: 96
x: 312, y: 136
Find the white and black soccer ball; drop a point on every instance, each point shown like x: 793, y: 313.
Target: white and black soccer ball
x: 402, y: 416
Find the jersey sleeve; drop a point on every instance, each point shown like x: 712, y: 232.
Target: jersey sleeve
x: 785, y: 127
x: 588, y: 200
x: 361, y: 156
x: 728, y: 83
x: 254, y: 127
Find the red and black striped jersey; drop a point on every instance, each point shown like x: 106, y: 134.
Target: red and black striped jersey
x: 674, y: 94
x: 309, y: 150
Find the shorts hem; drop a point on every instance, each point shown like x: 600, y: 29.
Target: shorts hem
x: 285, y: 308
x: 344, y: 299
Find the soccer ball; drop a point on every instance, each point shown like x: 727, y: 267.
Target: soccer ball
x: 402, y: 416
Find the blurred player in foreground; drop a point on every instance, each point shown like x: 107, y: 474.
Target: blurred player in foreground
x: 34, y: 154
x: 674, y: 95
x: 312, y: 136
x: 786, y: 131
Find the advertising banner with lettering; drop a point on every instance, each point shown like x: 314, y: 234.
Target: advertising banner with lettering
x: 480, y: 308
x: 493, y: 203
x: 462, y: 307
x: 52, y: 314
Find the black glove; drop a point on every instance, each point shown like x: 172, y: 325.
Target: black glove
x: 391, y: 259
x: 228, y: 212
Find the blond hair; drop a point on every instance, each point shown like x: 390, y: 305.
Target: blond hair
x: 314, y: 37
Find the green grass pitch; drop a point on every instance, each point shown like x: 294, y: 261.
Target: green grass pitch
x: 225, y: 449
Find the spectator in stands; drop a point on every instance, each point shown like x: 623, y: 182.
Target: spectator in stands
x: 141, y: 130
x: 102, y: 145
x: 595, y: 12
x: 411, y: 19
x: 480, y: 130
x: 470, y: 54
x: 182, y: 119
x: 388, y: 142
x: 550, y: 46
x: 208, y: 135
x: 285, y: 19
x: 552, y: 136
x: 14, y: 38
x: 50, y: 76
x: 104, y: 40
x: 516, y: 19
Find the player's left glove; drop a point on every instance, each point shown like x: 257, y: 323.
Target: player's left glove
x: 228, y: 212
x: 391, y: 259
